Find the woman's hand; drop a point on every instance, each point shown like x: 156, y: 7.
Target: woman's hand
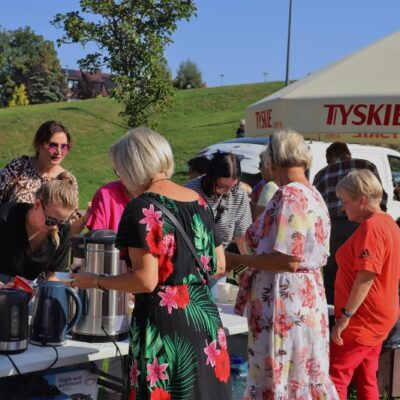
x: 340, y: 326
x: 83, y: 280
x: 273, y: 262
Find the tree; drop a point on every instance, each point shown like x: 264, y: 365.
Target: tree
x: 19, y: 97
x: 131, y: 37
x: 188, y: 76
x: 26, y: 58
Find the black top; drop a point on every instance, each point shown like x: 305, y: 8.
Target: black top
x: 16, y: 256
x: 174, y: 327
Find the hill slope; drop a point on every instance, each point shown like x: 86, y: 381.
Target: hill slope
x: 198, y: 117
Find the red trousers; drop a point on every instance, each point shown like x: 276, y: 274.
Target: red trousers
x: 358, y: 362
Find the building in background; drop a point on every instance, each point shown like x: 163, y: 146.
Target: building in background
x: 87, y: 85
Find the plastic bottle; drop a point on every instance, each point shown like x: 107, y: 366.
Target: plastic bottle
x: 239, y: 370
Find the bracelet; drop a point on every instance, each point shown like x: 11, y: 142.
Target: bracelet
x: 97, y: 282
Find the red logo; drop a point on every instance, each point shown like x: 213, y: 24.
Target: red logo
x: 363, y: 114
x: 263, y: 119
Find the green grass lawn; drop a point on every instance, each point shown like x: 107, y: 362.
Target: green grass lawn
x: 197, y: 118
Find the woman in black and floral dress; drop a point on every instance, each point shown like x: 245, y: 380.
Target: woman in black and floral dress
x: 178, y: 347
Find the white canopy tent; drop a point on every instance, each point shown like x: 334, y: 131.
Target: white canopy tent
x: 355, y: 100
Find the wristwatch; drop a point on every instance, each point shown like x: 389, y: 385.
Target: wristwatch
x: 346, y: 313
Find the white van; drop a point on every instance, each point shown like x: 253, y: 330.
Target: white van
x: 387, y: 161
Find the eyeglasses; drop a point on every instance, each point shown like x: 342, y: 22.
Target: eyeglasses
x: 50, y: 221
x: 53, y: 147
x: 116, y: 173
x: 232, y: 189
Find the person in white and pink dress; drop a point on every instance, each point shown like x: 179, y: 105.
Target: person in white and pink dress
x: 283, y: 291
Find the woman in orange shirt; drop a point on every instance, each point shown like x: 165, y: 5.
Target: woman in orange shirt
x: 366, y: 286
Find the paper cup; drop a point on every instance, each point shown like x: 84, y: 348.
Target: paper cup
x: 233, y: 292
x: 223, y: 292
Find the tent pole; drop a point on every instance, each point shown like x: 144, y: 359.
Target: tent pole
x: 288, y: 44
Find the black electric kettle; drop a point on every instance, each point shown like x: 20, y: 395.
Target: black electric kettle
x: 14, y: 320
x: 50, y: 320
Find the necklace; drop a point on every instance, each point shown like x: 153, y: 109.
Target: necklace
x: 159, y: 180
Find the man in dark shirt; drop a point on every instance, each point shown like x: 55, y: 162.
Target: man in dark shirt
x: 340, y: 163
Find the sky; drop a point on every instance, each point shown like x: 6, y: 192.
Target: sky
x: 242, y: 41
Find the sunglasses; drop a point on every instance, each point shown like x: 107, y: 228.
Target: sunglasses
x: 53, y: 147
x: 232, y: 189
x: 50, y: 221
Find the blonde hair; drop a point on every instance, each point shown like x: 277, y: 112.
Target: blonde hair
x: 288, y: 149
x: 361, y: 183
x: 139, y: 156
x: 60, y: 191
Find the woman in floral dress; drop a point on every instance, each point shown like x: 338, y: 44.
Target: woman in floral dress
x: 283, y: 290
x: 178, y: 347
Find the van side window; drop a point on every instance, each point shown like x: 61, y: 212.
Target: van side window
x: 395, y: 168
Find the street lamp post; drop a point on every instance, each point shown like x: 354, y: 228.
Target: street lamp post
x: 288, y: 44
x: 265, y: 76
x: 222, y: 78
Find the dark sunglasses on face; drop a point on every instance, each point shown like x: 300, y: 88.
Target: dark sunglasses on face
x: 50, y: 221
x: 53, y: 148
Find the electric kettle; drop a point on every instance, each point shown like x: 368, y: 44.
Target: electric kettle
x: 50, y: 320
x: 14, y: 320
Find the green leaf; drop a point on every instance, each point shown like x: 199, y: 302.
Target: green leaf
x: 202, y: 312
x: 181, y: 355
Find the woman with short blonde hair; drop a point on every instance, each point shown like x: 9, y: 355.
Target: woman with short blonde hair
x: 283, y: 290
x: 366, y: 286
x: 178, y: 348
x: 361, y: 183
x: 140, y: 155
x: 288, y: 149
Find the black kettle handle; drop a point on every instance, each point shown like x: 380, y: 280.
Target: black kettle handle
x: 78, y: 307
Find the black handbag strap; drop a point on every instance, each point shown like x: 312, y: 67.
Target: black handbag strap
x: 178, y: 226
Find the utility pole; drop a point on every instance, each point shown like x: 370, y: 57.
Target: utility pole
x: 222, y: 78
x: 288, y: 44
x: 265, y: 76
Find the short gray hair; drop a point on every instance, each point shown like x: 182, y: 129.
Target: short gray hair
x: 361, y: 183
x: 139, y: 156
x: 287, y: 149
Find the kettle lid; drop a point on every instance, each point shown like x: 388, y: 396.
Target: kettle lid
x: 101, y: 236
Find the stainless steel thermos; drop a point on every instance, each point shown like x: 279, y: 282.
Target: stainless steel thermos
x: 104, y: 313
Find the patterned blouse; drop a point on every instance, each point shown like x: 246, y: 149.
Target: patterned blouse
x: 19, y: 182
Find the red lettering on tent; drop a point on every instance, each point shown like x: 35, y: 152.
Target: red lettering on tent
x: 263, y: 119
x: 358, y: 113
x: 396, y: 114
x: 363, y: 114
x: 373, y: 114
x: 375, y: 135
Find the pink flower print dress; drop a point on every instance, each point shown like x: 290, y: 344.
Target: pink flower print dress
x: 287, y: 312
